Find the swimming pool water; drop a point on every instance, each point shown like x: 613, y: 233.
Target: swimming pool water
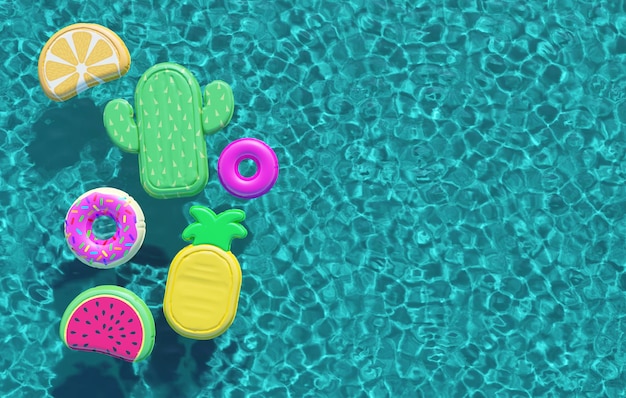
x: 449, y: 219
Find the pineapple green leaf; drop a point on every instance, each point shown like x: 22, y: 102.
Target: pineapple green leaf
x: 228, y: 217
x: 215, y: 229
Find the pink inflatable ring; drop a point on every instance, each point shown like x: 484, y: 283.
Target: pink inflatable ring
x: 266, y: 168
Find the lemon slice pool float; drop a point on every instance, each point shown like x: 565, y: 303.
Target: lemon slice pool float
x: 204, y: 280
x: 81, y: 56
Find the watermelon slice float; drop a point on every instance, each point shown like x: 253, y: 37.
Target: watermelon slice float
x: 110, y: 320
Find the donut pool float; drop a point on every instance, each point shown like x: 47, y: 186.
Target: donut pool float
x: 113, y: 251
x: 266, y: 168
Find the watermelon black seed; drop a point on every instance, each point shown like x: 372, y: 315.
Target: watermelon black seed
x: 122, y: 335
x: 111, y: 318
x: 130, y: 320
x: 97, y: 331
x: 96, y: 316
x: 97, y: 303
x: 117, y: 322
x: 104, y: 326
x: 127, y: 352
x: 74, y: 345
x: 133, y: 332
x: 85, y: 345
x: 111, y: 306
x: 122, y: 313
x: 110, y: 337
x: 114, y: 349
x: 76, y: 319
x: 72, y: 332
x: 85, y: 309
x: 134, y: 343
x: 118, y: 343
x: 84, y: 334
x: 110, y: 328
x: 103, y: 312
x: 122, y: 328
x: 88, y: 323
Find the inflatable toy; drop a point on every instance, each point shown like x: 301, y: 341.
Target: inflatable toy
x: 266, y: 168
x: 81, y: 56
x: 109, y: 320
x: 113, y: 251
x: 172, y: 117
x: 204, y: 280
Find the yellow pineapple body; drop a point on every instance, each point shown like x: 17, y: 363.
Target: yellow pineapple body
x: 202, y: 291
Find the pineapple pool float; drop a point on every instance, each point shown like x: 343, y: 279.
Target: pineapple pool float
x: 171, y: 117
x: 204, y: 280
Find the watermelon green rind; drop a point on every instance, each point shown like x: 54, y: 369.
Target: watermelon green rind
x: 117, y: 292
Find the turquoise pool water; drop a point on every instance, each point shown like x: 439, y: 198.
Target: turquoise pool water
x: 449, y: 219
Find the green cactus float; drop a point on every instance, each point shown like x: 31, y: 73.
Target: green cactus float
x: 172, y: 119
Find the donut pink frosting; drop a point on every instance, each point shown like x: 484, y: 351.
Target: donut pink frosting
x: 266, y: 164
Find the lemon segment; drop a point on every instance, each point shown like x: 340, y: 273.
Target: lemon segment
x: 81, y: 56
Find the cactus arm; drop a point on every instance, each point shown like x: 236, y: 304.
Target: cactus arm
x: 219, y: 106
x: 120, y: 125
